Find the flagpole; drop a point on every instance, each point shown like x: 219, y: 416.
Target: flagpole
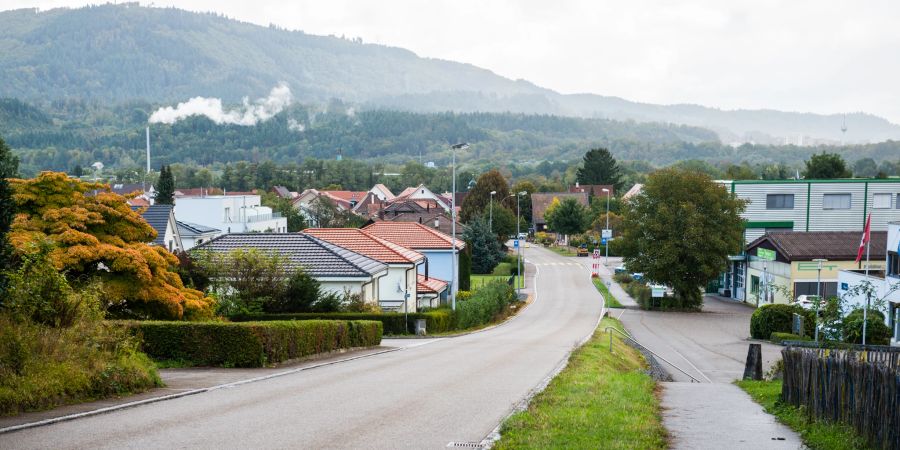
x: 866, y: 309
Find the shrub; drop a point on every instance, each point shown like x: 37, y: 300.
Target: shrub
x: 299, y: 294
x: 328, y: 302
x: 623, y: 278
x: 484, y: 304
x: 877, y: 332
x: 437, y: 321
x: 778, y: 318
x: 251, y: 344
x: 779, y: 338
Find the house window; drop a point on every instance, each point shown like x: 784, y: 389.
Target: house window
x: 780, y: 201
x: 836, y: 201
x: 228, y: 214
x: 882, y: 201
x: 893, y: 264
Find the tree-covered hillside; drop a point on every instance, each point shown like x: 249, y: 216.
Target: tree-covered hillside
x: 77, y: 132
x: 118, y: 53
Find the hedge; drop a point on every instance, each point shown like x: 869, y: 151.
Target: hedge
x: 486, y: 303
x: 780, y: 338
x: 250, y: 344
x: 438, y: 321
x: 778, y: 318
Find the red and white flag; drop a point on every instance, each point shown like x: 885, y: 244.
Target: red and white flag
x: 865, y: 239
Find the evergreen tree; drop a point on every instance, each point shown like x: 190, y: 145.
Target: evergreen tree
x: 9, y: 168
x: 485, y: 249
x: 165, y: 189
x: 599, y: 167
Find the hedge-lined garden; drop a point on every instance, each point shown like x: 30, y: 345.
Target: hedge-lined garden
x: 250, y: 344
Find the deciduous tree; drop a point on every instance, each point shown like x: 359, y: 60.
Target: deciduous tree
x: 680, y: 230
x: 824, y: 166
x: 96, y: 234
x: 479, y: 197
x: 567, y: 217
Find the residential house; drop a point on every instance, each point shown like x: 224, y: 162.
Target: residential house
x: 194, y: 234
x: 540, y: 201
x: 145, y: 193
x: 635, y: 190
x: 781, y: 265
x: 162, y: 219
x: 230, y: 213
x: 283, y: 192
x: 594, y: 190
x: 440, y: 255
x: 885, y: 283
x: 336, y: 268
x: 382, y: 192
x: 398, y: 289
x: 430, y: 291
x: 422, y: 192
x: 807, y: 205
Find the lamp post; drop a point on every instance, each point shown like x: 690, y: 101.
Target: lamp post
x: 521, y: 280
x: 819, y: 262
x: 454, y: 254
x: 606, y: 247
x: 491, y: 219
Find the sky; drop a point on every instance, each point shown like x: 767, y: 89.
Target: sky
x: 810, y: 56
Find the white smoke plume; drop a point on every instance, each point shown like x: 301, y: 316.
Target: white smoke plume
x: 249, y: 114
x: 294, y: 125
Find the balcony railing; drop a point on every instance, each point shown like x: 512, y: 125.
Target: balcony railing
x: 263, y: 217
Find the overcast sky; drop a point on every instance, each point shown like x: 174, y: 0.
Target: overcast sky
x: 818, y: 56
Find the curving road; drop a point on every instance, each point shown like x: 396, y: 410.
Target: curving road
x: 424, y: 396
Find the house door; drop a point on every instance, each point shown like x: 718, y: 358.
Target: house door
x: 737, y: 291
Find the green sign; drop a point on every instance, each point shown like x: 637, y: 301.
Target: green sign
x: 814, y: 266
x: 765, y: 254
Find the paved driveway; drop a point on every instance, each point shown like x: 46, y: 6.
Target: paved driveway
x: 454, y: 389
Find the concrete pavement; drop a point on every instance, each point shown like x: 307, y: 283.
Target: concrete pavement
x: 423, y: 396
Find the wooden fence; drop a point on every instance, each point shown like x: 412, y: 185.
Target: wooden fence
x: 859, y: 388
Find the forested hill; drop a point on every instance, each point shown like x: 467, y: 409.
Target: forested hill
x: 118, y: 53
x: 75, y: 132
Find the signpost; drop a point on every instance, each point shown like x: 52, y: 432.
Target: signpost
x: 595, y: 266
x: 606, y: 233
x: 658, y: 292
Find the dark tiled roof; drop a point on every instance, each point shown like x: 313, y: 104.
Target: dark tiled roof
x: 194, y: 229
x: 319, y: 258
x: 594, y: 189
x: 158, y: 218
x: 540, y: 201
x: 833, y: 245
x: 282, y: 191
x: 128, y: 188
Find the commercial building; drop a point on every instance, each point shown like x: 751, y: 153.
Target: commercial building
x: 230, y: 213
x: 806, y: 206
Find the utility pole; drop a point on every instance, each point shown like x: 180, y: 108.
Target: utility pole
x: 818, y: 262
x: 454, y: 253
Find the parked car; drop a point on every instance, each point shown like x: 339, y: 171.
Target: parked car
x: 808, y: 301
x: 621, y: 269
x: 637, y: 276
x: 523, y: 235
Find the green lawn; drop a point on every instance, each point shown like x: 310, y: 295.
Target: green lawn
x: 478, y: 281
x: 611, y: 301
x: 602, y: 399
x: 815, y: 434
x: 565, y: 251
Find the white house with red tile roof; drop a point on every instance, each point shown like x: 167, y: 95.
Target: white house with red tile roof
x: 382, y: 191
x: 400, y: 283
x: 436, y: 246
x: 422, y: 193
x: 430, y: 290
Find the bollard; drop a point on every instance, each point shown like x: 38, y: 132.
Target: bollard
x: 753, y: 367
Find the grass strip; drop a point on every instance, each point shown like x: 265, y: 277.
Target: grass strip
x: 602, y: 399
x: 611, y: 301
x: 478, y: 281
x: 817, y: 435
x: 564, y: 251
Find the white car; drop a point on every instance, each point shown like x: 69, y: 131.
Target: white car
x: 808, y: 301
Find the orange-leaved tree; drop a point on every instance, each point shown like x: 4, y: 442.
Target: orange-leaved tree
x: 96, y: 234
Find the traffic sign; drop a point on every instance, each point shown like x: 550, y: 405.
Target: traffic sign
x: 606, y: 234
x: 603, y: 241
x: 516, y: 243
x: 765, y: 254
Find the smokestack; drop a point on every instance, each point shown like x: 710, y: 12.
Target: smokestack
x: 148, y: 149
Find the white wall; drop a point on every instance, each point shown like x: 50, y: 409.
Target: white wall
x: 229, y: 213
x: 440, y: 265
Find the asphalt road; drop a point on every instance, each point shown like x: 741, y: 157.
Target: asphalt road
x: 424, y: 396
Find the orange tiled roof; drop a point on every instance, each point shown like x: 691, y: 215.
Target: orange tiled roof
x: 347, y: 196
x: 366, y: 244
x: 429, y: 285
x: 137, y: 201
x: 413, y: 235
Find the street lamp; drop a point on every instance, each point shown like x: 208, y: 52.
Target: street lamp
x: 606, y: 247
x: 491, y: 219
x: 521, y: 280
x: 819, y: 262
x: 454, y: 253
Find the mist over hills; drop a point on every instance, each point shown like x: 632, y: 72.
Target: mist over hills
x: 125, y: 52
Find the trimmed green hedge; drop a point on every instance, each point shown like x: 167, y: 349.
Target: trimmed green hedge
x: 779, y: 338
x: 438, y: 321
x: 486, y: 303
x: 778, y: 318
x: 251, y: 344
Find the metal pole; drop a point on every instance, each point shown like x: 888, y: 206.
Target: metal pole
x: 818, y: 295
x: 453, y: 253
x: 606, y: 247
x: 866, y: 309
x: 491, y: 219
x: 518, y: 249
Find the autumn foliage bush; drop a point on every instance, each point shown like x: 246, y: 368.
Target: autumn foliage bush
x: 95, y: 234
x: 250, y: 344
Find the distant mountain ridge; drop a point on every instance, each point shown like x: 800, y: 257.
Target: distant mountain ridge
x: 116, y: 53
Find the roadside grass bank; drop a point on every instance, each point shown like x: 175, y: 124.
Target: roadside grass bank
x: 564, y: 251
x: 611, y: 301
x: 43, y: 367
x: 601, y: 399
x: 479, y: 281
x: 816, y: 435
